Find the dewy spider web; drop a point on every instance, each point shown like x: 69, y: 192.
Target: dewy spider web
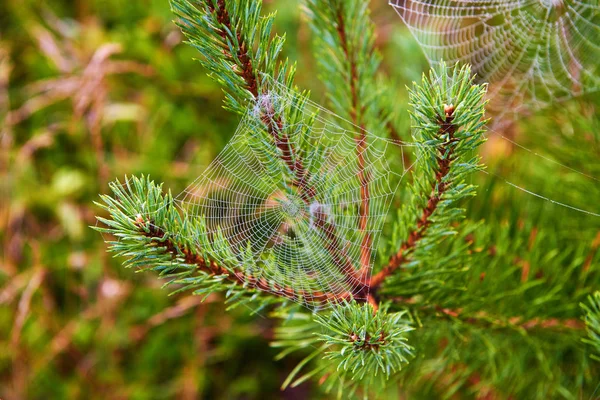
x: 280, y: 206
x: 285, y: 203
x: 279, y: 209
x: 532, y: 52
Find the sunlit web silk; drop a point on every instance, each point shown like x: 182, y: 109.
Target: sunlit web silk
x: 532, y: 52
x: 283, y: 201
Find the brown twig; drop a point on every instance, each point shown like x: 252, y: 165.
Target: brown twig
x: 515, y: 322
x: 213, y: 268
x: 247, y: 72
x: 276, y: 129
x: 273, y: 123
x: 356, y: 112
x: 439, y: 187
x: 484, y: 319
x: 340, y: 257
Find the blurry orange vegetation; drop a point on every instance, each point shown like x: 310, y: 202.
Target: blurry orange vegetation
x: 83, y: 79
x: 83, y: 73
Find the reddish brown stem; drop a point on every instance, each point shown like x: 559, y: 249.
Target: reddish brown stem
x: 340, y: 258
x: 247, y: 72
x: 288, y: 153
x: 213, y: 268
x: 356, y: 112
x: 483, y: 318
x: 245, y: 69
x: 373, y: 302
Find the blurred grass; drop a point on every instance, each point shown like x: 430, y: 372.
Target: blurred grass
x: 93, y: 90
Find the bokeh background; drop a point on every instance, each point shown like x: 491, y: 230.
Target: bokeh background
x: 93, y: 90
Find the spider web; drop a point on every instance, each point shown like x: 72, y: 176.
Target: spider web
x: 280, y: 206
x: 532, y: 52
x: 285, y: 203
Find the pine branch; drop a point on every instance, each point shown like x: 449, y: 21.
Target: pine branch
x: 241, y: 57
x: 439, y: 186
x: 289, y: 154
x: 226, y: 34
x: 356, y: 112
x: 482, y: 319
x: 592, y: 322
x: 167, y: 239
x: 356, y: 346
x: 448, y: 117
x: 160, y: 239
x: 367, y: 342
x: 363, y: 347
x: 236, y: 44
x: 154, y: 235
x: 341, y: 259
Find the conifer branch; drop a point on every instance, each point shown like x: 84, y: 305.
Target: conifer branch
x: 356, y: 347
x: 230, y: 26
x: 439, y: 186
x: 241, y: 58
x: 356, y: 113
x: 482, y: 319
x: 276, y: 130
x: 145, y: 241
x: 363, y: 338
x: 228, y: 30
x: 341, y: 259
x: 233, y: 38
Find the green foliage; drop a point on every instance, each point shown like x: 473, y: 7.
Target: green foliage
x: 592, y: 322
x: 349, y: 61
x: 353, y: 348
x: 358, y: 349
x: 153, y: 235
x: 488, y: 298
x: 86, y: 327
x: 364, y: 347
x: 345, y: 50
x: 366, y: 344
x: 428, y: 273
x: 236, y: 43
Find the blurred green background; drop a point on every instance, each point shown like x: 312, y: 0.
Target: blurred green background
x: 92, y: 90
